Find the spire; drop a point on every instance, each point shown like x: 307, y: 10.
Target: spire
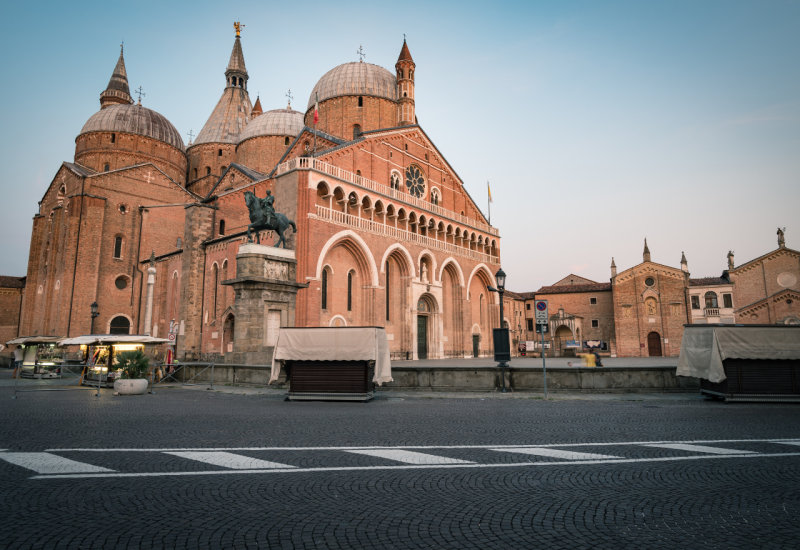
x: 117, y: 90
x: 257, y: 110
x: 684, y: 263
x: 405, y: 55
x: 646, y: 254
x: 613, y: 267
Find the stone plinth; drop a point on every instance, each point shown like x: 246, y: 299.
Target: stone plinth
x: 266, y: 295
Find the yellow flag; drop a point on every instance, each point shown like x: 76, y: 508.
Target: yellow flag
x: 488, y: 188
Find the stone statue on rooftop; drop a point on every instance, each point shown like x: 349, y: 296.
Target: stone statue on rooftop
x: 781, y: 238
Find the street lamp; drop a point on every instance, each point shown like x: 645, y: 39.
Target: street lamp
x: 500, y: 277
x: 94, y: 315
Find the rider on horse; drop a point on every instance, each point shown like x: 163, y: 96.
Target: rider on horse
x: 268, y: 208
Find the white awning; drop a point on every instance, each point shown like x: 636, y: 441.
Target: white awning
x: 703, y: 349
x: 334, y: 344
x: 108, y: 339
x: 22, y: 340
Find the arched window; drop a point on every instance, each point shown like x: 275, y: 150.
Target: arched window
x: 394, y: 181
x: 120, y: 325
x: 356, y: 131
x: 195, y: 173
x: 360, y: 101
x: 241, y: 82
x: 387, y: 290
x: 214, y: 292
x: 350, y: 291
x: 118, y: 247
x: 221, y: 227
x: 711, y: 300
x: 113, y: 138
x: 208, y: 170
x: 222, y: 170
x: 324, y: 289
x: 106, y: 167
x: 435, y: 197
x: 286, y: 141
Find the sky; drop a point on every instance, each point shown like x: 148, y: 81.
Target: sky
x: 597, y: 123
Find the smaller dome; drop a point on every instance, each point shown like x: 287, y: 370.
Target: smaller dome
x: 280, y: 122
x: 134, y: 119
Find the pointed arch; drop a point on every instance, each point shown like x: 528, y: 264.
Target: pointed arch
x: 489, y: 274
x: 451, y: 260
x: 402, y: 249
x: 357, y: 242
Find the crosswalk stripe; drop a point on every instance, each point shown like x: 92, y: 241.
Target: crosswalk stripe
x: 45, y: 463
x: 230, y: 460
x: 555, y: 453
x: 702, y: 449
x: 409, y: 457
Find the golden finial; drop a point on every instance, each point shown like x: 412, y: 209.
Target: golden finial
x: 238, y: 26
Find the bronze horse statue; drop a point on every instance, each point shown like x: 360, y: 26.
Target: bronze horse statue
x: 258, y: 218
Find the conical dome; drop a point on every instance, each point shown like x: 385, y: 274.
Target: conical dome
x: 117, y: 90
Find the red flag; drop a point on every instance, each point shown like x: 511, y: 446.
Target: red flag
x: 316, y: 109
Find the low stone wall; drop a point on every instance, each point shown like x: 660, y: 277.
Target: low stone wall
x: 604, y: 379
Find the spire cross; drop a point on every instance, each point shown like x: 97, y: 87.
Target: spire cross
x: 191, y: 137
x: 238, y: 26
x: 290, y: 97
x: 361, y: 54
x: 140, y: 93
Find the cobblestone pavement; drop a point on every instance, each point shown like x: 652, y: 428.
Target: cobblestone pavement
x: 202, y: 469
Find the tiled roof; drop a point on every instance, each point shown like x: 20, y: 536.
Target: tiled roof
x: 356, y: 78
x: 278, y: 122
x: 7, y: 281
x: 705, y: 281
x: 228, y: 119
x: 565, y: 289
x: 134, y: 119
x: 527, y: 295
x: 513, y: 295
x: 405, y: 55
x: 118, y: 85
x: 79, y: 170
x: 237, y: 58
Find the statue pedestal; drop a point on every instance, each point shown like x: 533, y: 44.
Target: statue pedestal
x: 266, y: 296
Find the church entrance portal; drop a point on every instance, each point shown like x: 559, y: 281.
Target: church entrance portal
x: 422, y: 337
x: 654, y: 344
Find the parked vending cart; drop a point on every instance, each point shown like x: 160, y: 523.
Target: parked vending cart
x: 743, y: 362
x: 338, y: 363
x: 42, y: 356
x: 99, y: 351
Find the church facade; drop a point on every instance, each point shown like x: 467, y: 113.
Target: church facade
x: 387, y: 235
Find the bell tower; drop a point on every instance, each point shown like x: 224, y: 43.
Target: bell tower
x: 405, y: 87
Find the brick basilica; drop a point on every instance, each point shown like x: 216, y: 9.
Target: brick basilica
x: 386, y: 233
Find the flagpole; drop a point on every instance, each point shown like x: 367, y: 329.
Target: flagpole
x: 316, y: 110
x: 489, y: 198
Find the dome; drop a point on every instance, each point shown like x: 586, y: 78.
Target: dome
x: 134, y: 119
x: 355, y: 78
x: 280, y: 122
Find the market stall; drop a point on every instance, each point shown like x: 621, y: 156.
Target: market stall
x: 743, y: 362
x: 338, y: 363
x: 42, y: 356
x: 98, y: 353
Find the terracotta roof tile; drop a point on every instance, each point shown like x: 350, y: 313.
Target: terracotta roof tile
x: 565, y: 289
x: 405, y: 55
x: 7, y: 281
x: 705, y: 281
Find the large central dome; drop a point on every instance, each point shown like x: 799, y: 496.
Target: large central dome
x: 355, y: 78
x: 134, y: 119
x: 280, y: 122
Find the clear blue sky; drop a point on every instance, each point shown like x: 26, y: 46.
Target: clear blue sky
x: 598, y: 123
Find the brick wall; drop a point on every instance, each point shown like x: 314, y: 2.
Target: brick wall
x: 339, y: 115
x: 95, y: 150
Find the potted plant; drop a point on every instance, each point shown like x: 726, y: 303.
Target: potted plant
x: 134, y: 366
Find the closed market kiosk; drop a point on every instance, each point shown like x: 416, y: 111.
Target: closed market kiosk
x: 337, y: 363
x: 743, y: 362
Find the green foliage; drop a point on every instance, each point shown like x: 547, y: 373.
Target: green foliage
x: 134, y: 364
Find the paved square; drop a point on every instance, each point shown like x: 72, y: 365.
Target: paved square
x: 201, y: 469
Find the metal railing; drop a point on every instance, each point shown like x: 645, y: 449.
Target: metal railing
x: 164, y: 375
x: 70, y: 377
x: 348, y: 220
x: 400, y: 355
x: 712, y: 312
x: 309, y: 163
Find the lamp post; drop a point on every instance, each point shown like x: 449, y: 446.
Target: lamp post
x: 500, y: 277
x: 94, y: 315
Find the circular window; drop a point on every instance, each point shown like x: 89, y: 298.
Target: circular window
x: 123, y: 209
x: 789, y: 302
x: 121, y: 283
x: 649, y: 281
x: 754, y: 316
x: 415, y: 181
x: 787, y: 280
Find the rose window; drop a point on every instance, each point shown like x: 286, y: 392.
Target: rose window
x: 415, y: 181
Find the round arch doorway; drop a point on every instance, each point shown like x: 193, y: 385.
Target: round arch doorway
x: 425, y: 311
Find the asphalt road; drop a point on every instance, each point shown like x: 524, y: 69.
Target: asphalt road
x: 194, y: 469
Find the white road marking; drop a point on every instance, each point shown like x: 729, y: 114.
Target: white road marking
x: 417, y: 466
x: 702, y: 449
x: 789, y: 442
x: 356, y: 447
x: 45, y: 463
x: 555, y: 453
x: 410, y: 457
x: 230, y: 460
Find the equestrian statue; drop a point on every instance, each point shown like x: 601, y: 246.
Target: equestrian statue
x: 263, y: 216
